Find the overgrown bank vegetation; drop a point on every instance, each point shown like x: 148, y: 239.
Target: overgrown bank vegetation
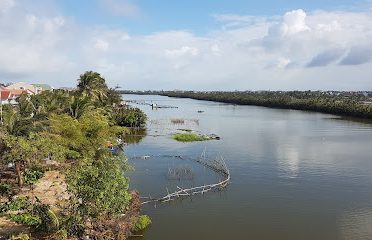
x: 72, y: 132
x: 353, y: 104
x: 346, y: 105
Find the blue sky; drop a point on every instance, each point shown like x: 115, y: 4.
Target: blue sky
x: 193, y: 15
x: 193, y: 45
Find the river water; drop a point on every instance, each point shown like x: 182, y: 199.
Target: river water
x: 295, y: 174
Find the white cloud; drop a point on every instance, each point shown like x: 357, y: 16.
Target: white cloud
x: 216, y: 50
x: 294, y: 22
x: 299, y: 50
x: 124, y: 8
x: 280, y: 63
x: 101, y: 45
x: 6, y: 5
x: 183, y: 51
x: 125, y: 36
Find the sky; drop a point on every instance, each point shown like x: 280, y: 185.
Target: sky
x: 189, y: 44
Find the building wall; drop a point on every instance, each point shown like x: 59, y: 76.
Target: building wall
x: 23, y: 86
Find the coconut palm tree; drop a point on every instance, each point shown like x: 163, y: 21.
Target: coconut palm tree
x: 79, y: 105
x: 92, y: 84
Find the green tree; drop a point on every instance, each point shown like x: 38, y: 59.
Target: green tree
x: 99, y: 185
x: 48, y: 102
x: 28, y: 151
x: 129, y: 117
x: 25, y: 105
x: 79, y: 105
x: 92, y: 84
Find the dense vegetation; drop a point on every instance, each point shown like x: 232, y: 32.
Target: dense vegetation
x: 354, y: 104
x: 77, y: 129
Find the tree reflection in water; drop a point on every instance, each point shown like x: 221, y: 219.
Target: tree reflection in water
x: 135, y: 135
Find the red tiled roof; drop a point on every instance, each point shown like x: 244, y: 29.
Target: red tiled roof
x: 14, y: 93
x: 4, y: 94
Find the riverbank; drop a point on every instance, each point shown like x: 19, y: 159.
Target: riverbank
x: 39, y: 212
x: 79, y: 132
x: 352, y: 104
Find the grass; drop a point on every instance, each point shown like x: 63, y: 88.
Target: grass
x: 189, y: 137
x: 142, y: 223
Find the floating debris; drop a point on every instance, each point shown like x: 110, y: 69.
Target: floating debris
x: 184, y: 130
x: 213, y: 136
x: 178, y: 121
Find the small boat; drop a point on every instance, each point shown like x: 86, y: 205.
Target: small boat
x: 200, y: 111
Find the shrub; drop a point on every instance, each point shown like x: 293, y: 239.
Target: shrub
x: 5, y: 189
x: 100, y: 185
x: 48, y: 220
x: 16, y: 204
x: 33, y: 174
x: 38, y: 215
x: 27, y: 219
x: 130, y: 117
x: 142, y: 223
x: 74, y: 225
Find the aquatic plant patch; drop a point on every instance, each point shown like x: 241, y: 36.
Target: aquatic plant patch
x: 189, y: 137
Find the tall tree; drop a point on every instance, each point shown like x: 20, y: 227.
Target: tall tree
x: 94, y: 85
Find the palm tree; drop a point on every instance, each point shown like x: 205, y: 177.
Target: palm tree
x: 79, y: 105
x: 92, y: 84
x: 26, y: 107
x: 10, y: 118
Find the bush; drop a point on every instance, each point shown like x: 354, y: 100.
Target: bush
x: 38, y: 215
x: 48, y: 220
x: 142, y: 223
x: 33, y: 174
x: 100, y: 185
x: 16, y: 204
x: 130, y: 117
x: 74, y: 225
x: 27, y: 219
x: 5, y: 189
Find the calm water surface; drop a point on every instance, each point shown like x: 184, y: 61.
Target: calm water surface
x: 295, y: 175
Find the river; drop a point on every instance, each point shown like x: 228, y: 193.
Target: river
x: 295, y: 174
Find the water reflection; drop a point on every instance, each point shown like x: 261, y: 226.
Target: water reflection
x: 357, y: 224
x: 135, y: 135
x: 288, y: 160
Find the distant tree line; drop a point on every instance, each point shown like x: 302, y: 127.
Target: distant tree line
x: 354, y: 104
